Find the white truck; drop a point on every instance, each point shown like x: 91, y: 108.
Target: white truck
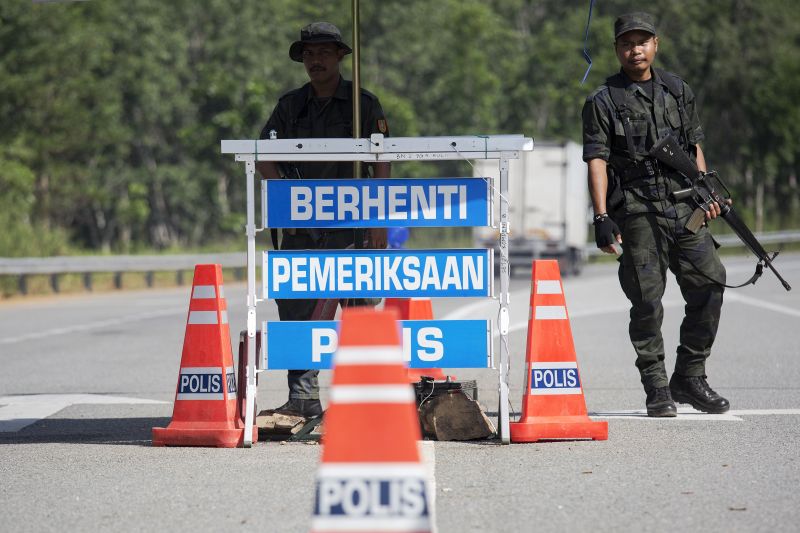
x: 548, y: 207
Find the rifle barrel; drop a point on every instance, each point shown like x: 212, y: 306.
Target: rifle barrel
x: 747, y: 237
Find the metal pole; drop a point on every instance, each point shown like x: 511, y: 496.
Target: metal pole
x: 250, y: 352
x: 502, y: 411
x: 356, y: 81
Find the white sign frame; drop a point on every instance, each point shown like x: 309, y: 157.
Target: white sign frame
x: 377, y: 149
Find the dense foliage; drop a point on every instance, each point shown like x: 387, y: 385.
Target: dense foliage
x: 111, y: 111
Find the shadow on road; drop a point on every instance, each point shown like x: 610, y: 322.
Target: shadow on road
x: 118, y: 431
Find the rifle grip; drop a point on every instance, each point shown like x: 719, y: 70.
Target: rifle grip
x: 696, y: 221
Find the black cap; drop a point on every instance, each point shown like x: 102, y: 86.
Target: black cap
x: 634, y: 21
x: 317, y: 33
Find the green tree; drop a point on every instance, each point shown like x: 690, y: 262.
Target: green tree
x: 111, y: 112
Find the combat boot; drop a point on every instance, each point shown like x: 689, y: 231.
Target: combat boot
x: 297, y: 407
x: 695, y: 391
x: 659, y: 403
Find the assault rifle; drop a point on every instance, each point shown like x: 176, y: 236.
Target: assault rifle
x: 704, y: 189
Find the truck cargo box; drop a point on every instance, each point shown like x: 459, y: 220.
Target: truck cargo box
x: 548, y: 206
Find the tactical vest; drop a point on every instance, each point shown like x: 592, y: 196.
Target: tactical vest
x: 299, y: 104
x: 619, y: 97
x: 631, y: 171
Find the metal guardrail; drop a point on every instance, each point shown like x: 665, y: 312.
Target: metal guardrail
x: 118, y: 264
x: 148, y: 264
x: 771, y: 237
x: 767, y: 237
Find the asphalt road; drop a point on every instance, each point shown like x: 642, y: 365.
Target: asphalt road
x: 84, y: 379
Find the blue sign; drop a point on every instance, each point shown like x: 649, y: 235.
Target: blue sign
x: 555, y: 378
x: 377, y: 273
x: 369, y: 203
x: 426, y: 344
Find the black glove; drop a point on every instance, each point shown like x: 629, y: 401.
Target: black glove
x: 605, y: 230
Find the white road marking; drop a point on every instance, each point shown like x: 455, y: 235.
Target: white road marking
x: 17, y: 412
x: 126, y: 319
x: 762, y: 304
x: 516, y: 326
x: 474, y: 308
x: 765, y: 412
x: 780, y: 264
x: 428, y: 454
x: 692, y: 415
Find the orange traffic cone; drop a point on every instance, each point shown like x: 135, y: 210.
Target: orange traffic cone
x: 371, y: 477
x: 553, y: 406
x: 205, y: 411
x: 416, y: 309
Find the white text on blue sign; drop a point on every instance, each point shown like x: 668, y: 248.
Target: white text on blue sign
x: 555, y: 378
x: 314, y: 203
x: 377, y: 273
x: 425, y: 344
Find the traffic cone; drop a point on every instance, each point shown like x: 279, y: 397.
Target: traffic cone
x: 553, y: 406
x: 416, y: 309
x: 205, y: 412
x: 371, y: 477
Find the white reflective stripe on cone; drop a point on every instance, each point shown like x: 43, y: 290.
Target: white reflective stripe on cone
x: 371, y: 470
x: 371, y: 394
x: 370, y: 524
x: 378, y: 355
x: 203, y: 317
x: 550, y: 312
x: 204, y: 292
x: 548, y: 286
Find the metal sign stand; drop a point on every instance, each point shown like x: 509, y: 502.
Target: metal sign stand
x: 377, y: 149
x: 504, y: 321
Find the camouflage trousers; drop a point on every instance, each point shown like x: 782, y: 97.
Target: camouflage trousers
x: 651, y: 244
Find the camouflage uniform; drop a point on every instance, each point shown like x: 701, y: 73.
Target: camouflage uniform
x: 652, y: 224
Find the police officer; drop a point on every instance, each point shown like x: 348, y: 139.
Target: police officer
x: 622, y: 120
x: 321, y: 108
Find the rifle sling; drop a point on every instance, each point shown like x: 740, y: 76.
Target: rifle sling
x: 751, y: 281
